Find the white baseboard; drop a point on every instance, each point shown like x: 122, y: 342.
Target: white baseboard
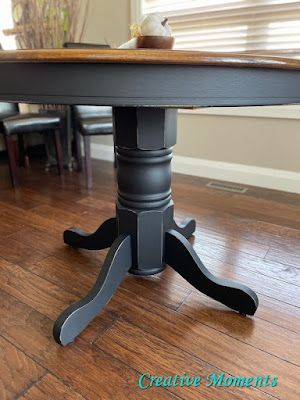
x: 102, y: 152
x: 239, y: 173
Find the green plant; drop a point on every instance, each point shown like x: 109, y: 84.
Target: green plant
x: 49, y: 23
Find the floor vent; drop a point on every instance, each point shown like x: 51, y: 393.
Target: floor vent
x: 229, y: 187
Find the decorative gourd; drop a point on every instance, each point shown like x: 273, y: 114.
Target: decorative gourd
x: 153, y: 32
x: 155, y: 25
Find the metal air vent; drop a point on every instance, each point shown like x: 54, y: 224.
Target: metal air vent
x: 229, y: 187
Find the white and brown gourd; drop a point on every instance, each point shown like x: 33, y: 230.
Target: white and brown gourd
x: 154, y: 31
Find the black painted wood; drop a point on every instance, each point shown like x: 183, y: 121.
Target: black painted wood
x: 147, y: 85
x: 142, y: 128
x: 144, y: 204
x: 102, y: 238
x: 186, y: 227
x: 76, y: 317
x: 181, y: 256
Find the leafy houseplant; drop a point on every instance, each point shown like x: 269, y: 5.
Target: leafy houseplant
x: 48, y: 23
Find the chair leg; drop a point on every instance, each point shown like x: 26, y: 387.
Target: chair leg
x: 115, y: 156
x: 88, y: 162
x: 59, y: 151
x: 78, y: 153
x: 10, y: 148
x: 21, y: 151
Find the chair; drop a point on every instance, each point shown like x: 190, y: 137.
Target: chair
x: 89, y: 121
x: 14, y: 124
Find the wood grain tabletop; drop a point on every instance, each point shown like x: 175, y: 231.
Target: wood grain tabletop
x: 148, y: 56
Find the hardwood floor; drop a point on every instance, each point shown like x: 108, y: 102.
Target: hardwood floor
x: 158, y: 325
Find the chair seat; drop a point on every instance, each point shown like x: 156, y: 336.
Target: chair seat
x: 25, y: 123
x: 95, y: 126
x: 4, y: 115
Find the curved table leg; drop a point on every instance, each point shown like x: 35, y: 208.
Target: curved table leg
x: 102, y: 238
x: 181, y: 256
x: 186, y: 227
x: 78, y: 315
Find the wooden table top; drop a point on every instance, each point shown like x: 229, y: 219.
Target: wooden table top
x: 148, y: 56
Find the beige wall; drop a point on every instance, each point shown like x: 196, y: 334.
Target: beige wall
x: 262, y: 142
x: 108, y: 22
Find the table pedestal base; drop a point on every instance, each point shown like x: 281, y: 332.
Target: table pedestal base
x: 144, y: 237
x: 179, y: 254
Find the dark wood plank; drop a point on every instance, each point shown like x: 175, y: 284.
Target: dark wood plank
x: 50, y: 388
x: 33, y: 290
x: 206, y: 237
x: 18, y: 371
x: 106, y: 206
x: 243, y: 205
x: 86, y: 220
x: 39, y: 240
x: 268, y: 266
x: 22, y: 199
x: 33, y: 220
x: 286, y: 257
x: 279, y: 313
x: 247, y: 229
x: 19, y: 253
x: 7, y: 227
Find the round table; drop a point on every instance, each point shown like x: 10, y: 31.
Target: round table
x: 145, y: 87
